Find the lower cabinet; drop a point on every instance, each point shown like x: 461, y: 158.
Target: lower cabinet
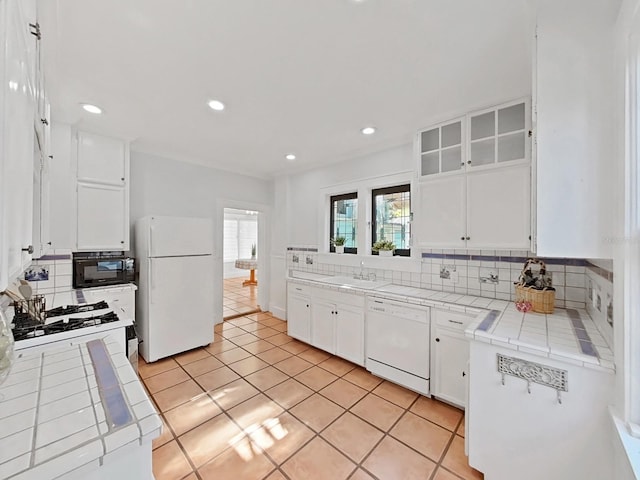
x: 299, y: 316
x: 323, y: 325
x: 450, y: 356
x: 326, y: 319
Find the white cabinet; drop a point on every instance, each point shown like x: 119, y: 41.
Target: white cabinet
x: 487, y: 208
x: 442, y: 221
x: 17, y: 107
x: 442, y: 149
x: 329, y: 320
x: 298, y: 313
x: 450, y: 356
x: 323, y: 325
x: 576, y: 162
x: 337, y: 324
x: 498, y: 208
x: 350, y: 333
x: 102, y: 159
x: 41, y: 205
x: 102, y: 193
x: 476, y: 182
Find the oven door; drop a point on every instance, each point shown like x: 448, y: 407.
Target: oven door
x: 97, y: 272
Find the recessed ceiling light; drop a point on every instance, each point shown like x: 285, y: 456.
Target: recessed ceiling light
x: 368, y: 130
x: 290, y: 156
x: 216, y: 105
x: 92, y: 108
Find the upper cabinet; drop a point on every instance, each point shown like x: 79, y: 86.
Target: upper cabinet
x: 102, y: 159
x: 499, y: 135
x: 17, y: 136
x: 575, y: 156
x: 491, y: 137
x: 441, y: 149
x: 102, y: 193
x: 475, y: 189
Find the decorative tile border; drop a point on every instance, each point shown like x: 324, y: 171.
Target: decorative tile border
x: 576, y: 262
x: 115, y: 407
x: 586, y: 345
x: 54, y: 257
x: 603, y: 272
x: 488, y: 320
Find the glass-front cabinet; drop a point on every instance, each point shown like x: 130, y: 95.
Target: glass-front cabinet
x: 441, y: 148
x: 498, y: 135
x: 486, y: 138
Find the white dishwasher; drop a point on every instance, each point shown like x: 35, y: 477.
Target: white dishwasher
x: 397, y: 343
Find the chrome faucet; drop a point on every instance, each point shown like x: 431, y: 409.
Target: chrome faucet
x: 361, y: 275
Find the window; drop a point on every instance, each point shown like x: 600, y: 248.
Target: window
x: 391, y: 216
x: 344, y: 221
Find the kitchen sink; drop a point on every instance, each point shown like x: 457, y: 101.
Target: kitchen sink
x: 347, y: 281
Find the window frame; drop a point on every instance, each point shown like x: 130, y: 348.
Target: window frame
x: 336, y: 198
x: 405, y: 187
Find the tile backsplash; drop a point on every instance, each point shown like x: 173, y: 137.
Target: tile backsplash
x: 59, y: 272
x: 484, y: 273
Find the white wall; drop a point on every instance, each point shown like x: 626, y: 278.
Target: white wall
x: 162, y: 186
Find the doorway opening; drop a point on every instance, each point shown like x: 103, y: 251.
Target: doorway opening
x: 240, y: 247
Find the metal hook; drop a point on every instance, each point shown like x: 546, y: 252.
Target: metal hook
x: 528, y: 386
x: 503, y: 379
x: 559, y: 397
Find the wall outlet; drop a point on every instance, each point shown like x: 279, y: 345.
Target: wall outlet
x: 296, y: 258
x: 309, y: 260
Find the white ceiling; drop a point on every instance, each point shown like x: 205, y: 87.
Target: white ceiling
x: 297, y: 76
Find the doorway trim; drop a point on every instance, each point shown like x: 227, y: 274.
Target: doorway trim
x: 263, y: 273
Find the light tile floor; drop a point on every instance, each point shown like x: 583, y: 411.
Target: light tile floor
x: 238, y: 300
x: 257, y: 404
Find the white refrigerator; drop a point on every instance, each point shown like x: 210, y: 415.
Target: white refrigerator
x: 175, y: 306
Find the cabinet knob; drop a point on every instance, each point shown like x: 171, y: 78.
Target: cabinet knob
x: 437, y: 339
x: 464, y: 374
x: 121, y: 241
x: 461, y: 238
x: 48, y: 243
x: 28, y: 249
x: 462, y: 164
x: 468, y: 238
x: 122, y: 179
x: 307, y: 306
x: 469, y: 162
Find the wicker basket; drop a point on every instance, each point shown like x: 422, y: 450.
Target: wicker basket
x: 541, y: 300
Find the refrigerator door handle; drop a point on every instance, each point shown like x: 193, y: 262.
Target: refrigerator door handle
x: 152, y: 281
x: 151, y: 240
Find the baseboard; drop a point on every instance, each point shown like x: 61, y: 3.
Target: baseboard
x: 278, y: 312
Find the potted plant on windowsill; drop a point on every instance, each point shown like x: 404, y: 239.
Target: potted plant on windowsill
x: 338, y: 243
x: 384, y: 248
x: 253, y: 251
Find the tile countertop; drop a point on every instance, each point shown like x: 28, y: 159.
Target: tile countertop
x: 71, y: 407
x: 569, y: 335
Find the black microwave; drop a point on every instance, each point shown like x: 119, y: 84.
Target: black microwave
x: 95, y: 269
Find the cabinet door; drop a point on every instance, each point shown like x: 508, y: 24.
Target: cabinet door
x: 299, y: 317
x: 441, y: 149
x: 323, y: 329
x: 41, y: 206
x: 102, y: 218
x: 498, y: 208
x: 448, y: 377
x: 102, y: 159
x: 441, y: 221
x: 350, y: 333
x: 17, y: 143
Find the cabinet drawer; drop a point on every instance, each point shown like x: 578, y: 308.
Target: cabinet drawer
x: 453, y: 320
x: 299, y: 289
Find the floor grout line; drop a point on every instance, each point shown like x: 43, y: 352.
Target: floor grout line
x: 261, y: 391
